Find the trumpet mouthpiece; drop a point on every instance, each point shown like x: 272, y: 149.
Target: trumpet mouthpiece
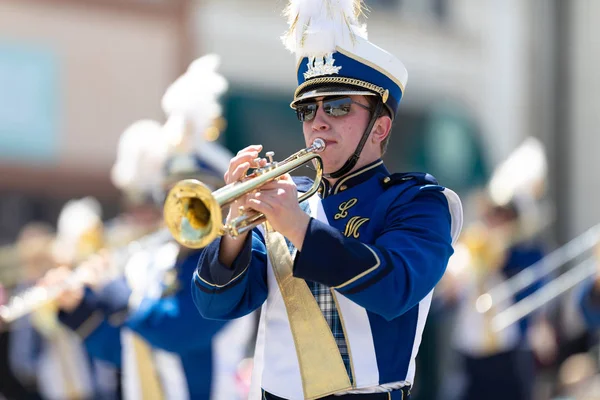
x: 318, y: 145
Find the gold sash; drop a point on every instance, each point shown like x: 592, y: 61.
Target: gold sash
x: 321, y: 366
x: 67, y: 365
x: 150, y: 387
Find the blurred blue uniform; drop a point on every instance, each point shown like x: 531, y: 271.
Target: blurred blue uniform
x: 521, y: 256
x: 375, y: 247
x: 510, y: 364
x: 49, y: 361
x: 588, y: 297
x: 181, y: 340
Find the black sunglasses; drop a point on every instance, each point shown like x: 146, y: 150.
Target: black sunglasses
x: 336, y: 107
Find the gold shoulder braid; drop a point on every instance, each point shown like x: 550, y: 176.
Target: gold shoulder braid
x: 321, y: 366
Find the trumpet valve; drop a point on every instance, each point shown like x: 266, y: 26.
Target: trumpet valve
x: 230, y: 229
x: 270, y: 155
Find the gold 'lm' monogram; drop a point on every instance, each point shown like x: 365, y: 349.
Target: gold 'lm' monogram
x: 344, y: 207
x: 352, y: 226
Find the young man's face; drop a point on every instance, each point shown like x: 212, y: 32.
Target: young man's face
x: 341, y: 133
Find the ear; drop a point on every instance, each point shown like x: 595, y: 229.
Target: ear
x: 381, y: 129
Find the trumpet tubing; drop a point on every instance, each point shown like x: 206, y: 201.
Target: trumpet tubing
x: 513, y: 314
x: 194, y: 214
x: 33, y: 299
x: 544, y: 267
x: 557, y: 286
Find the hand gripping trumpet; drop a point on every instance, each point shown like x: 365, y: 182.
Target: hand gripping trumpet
x: 194, y: 214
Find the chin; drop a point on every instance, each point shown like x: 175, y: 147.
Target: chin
x: 332, y: 161
x: 328, y: 169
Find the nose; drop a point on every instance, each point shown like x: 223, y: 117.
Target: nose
x: 319, y: 123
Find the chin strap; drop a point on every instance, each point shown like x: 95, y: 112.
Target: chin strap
x: 353, y: 159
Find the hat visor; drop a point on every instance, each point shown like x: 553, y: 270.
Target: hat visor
x: 330, y: 91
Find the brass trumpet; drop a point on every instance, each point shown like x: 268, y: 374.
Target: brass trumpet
x: 194, y: 214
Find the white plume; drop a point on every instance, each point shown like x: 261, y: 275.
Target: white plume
x: 318, y: 26
x: 523, y: 173
x: 141, y: 156
x: 194, y: 95
x: 77, y: 217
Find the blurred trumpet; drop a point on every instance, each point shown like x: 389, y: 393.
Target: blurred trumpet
x: 577, y: 247
x: 194, y: 214
x: 37, y: 297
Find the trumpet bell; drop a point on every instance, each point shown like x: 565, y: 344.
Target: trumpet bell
x: 192, y: 214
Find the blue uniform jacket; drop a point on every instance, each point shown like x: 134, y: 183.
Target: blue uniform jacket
x: 171, y: 323
x: 406, y: 222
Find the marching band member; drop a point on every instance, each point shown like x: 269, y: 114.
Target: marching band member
x: 33, y: 258
x: 146, y: 321
x: 504, y: 242
x: 344, y: 279
x: 488, y: 357
x: 42, y: 350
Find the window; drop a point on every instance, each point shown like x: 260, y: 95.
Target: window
x: 443, y: 141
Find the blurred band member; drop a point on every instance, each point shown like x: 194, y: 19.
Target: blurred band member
x: 143, y: 319
x: 43, y: 350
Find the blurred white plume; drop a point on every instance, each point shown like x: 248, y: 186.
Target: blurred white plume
x: 193, y: 108
x: 194, y: 99
x: 76, y: 218
x: 141, y: 155
x: 522, y: 174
